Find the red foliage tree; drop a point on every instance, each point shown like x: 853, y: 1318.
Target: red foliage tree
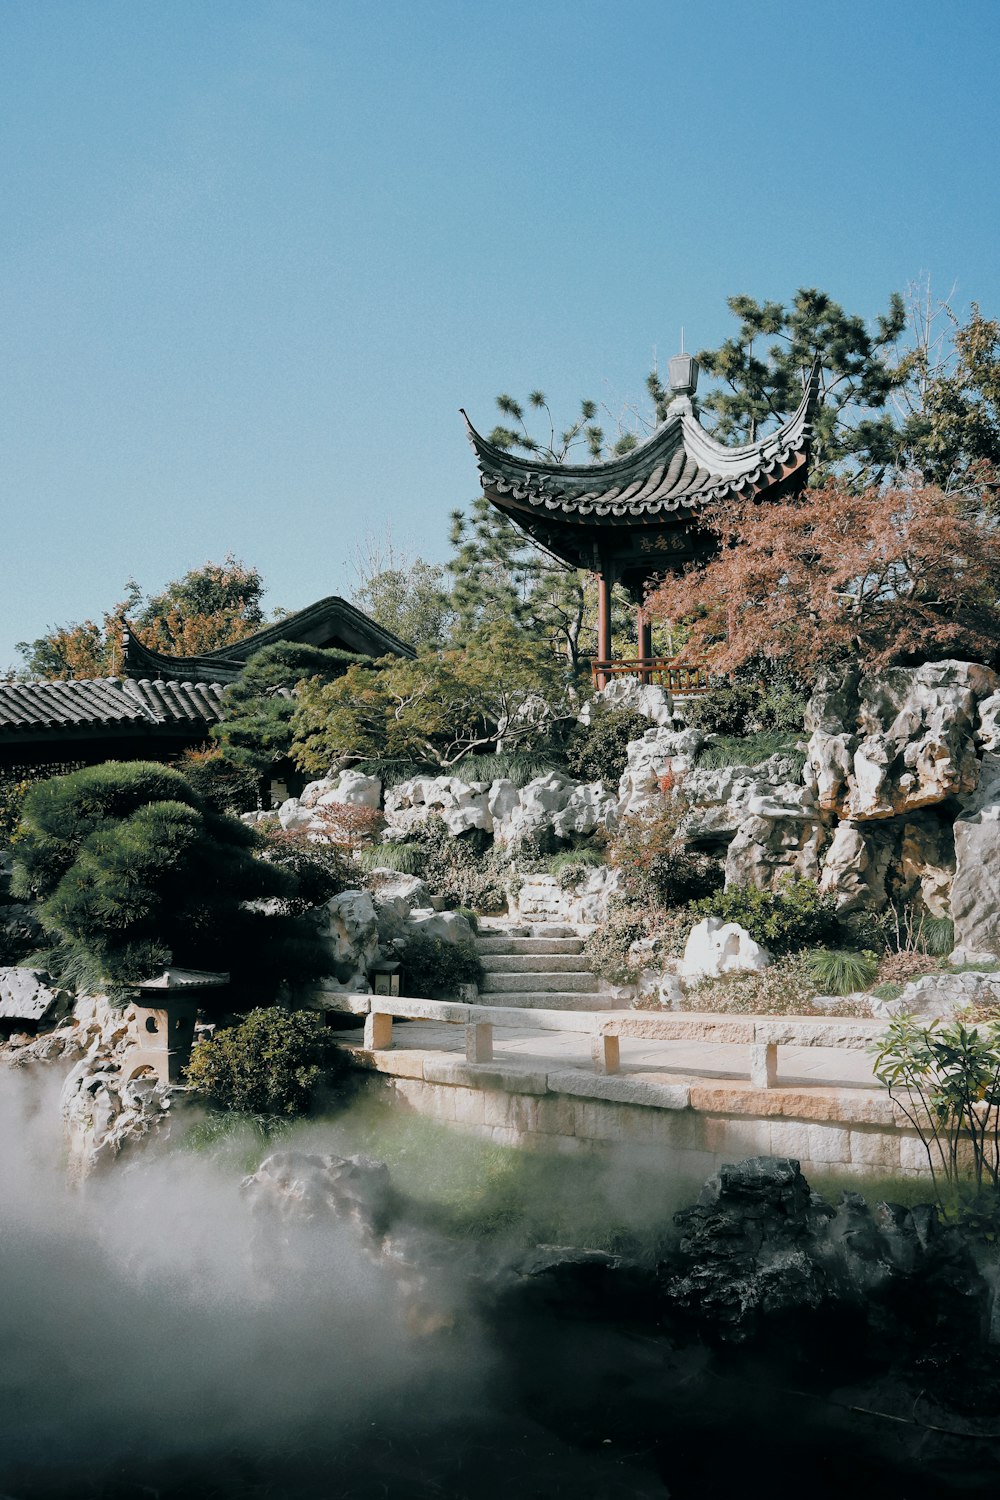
x: 875, y: 577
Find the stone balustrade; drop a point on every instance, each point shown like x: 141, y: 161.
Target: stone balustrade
x: 761, y: 1035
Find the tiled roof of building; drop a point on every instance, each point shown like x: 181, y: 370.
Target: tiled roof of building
x: 328, y: 622
x: 27, y: 706
x: 680, y: 467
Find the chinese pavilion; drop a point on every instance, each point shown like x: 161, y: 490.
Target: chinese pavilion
x: 639, y: 515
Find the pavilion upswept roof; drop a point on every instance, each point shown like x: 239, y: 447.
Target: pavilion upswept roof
x: 681, y: 467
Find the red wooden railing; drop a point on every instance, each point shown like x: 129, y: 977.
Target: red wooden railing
x: 681, y: 680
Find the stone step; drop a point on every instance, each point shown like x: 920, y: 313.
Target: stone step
x: 526, y: 945
x: 504, y: 927
x: 534, y: 963
x: 532, y: 980
x: 552, y: 1000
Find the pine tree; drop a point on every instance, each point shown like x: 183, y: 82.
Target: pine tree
x: 763, y: 370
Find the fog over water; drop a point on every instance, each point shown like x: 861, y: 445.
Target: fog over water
x: 137, y: 1316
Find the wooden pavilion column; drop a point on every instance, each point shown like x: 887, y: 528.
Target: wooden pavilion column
x: 604, y: 587
x: 644, y: 637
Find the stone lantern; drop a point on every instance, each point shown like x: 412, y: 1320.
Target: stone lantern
x: 163, y: 1026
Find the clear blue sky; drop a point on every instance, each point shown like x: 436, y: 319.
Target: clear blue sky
x: 256, y: 255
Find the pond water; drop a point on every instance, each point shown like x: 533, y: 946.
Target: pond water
x: 149, y: 1350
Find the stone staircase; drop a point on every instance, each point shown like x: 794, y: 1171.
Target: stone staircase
x: 538, y: 966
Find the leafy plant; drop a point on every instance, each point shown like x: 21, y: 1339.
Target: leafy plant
x: 433, y: 968
x: 517, y: 766
x: 598, y: 752
x: 320, y: 870
x: 407, y: 858
x: 750, y: 750
x: 607, y: 948
x: 649, y: 852
x: 501, y: 687
x: 792, y: 917
x: 274, y: 1062
x: 571, y: 866
x: 258, y: 707
x: 945, y: 1078
x: 223, y: 786
x: 841, y: 971
x: 727, y: 710
x: 20, y: 935
x: 467, y: 868
x: 786, y: 988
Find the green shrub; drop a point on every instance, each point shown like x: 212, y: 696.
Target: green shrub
x: 726, y: 709
x: 132, y: 872
x: 936, y: 935
x: 274, y: 1062
x: 466, y: 868
x: 794, y: 916
x: 222, y: 786
x: 748, y: 705
x: 607, y: 948
x: 890, y: 991
x: 406, y: 858
x: 20, y: 935
x: 945, y: 1078
x: 432, y: 967
x: 572, y: 866
x: 786, y: 988
x: 649, y: 853
x: 14, y: 788
x: 598, y: 751
x: 518, y: 766
x: 841, y: 971
x: 751, y: 750
x: 320, y: 869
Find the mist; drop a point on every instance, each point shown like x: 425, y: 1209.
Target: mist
x: 138, y: 1316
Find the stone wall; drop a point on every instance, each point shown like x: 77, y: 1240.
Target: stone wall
x: 699, y: 1127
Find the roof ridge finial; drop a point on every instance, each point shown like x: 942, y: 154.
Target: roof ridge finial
x: 683, y: 382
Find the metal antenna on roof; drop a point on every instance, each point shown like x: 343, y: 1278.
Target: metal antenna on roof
x: 682, y: 338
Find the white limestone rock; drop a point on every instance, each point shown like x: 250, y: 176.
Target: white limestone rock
x: 896, y: 741
x: 349, y: 789
x: 975, y: 891
x: 629, y: 695
x: 770, y: 846
x: 660, y: 752
x: 296, y: 818
x: 450, y: 926
x: 587, y: 903
x: 461, y: 805
x: 536, y: 807
x: 589, y: 807
x: 715, y: 948
x: 942, y: 996
x: 349, y: 925
x: 398, y: 893
x: 988, y: 725
x: 538, y: 898
x: 660, y: 988
x: 27, y: 995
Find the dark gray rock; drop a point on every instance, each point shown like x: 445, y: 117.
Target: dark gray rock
x: 762, y: 1258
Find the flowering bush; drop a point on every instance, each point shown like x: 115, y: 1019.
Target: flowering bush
x: 654, y: 864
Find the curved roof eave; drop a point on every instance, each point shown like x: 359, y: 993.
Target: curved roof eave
x: 712, y: 461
